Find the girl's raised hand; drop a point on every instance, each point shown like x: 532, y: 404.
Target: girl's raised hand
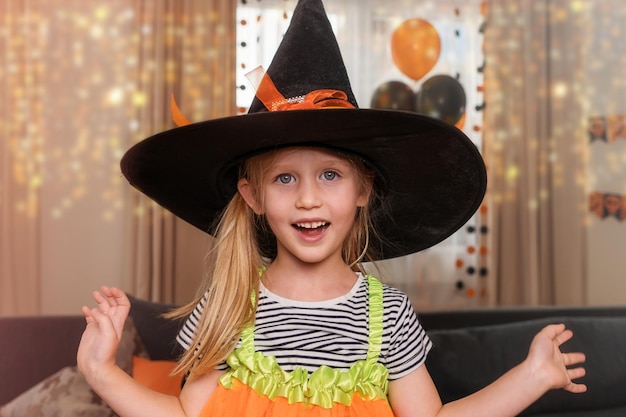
x: 555, y: 368
x: 105, y: 323
x: 115, y: 304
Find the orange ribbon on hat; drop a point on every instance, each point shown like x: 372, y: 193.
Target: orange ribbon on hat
x: 316, y: 99
x: 273, y: 100
x: 178, y: 116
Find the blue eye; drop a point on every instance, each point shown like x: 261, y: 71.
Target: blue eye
x: 284, y: 178
x: 329, y: 175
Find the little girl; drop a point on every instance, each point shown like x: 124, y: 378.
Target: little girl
x: 298, y: 193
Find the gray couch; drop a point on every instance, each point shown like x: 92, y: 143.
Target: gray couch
x: 471, y: 348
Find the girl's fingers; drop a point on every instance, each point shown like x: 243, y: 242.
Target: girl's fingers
x: 103, y: 321
x: 120, y: 294
x: 114, y: 296
x: 98, y: 297
x: 110, y: 297
x: 574, y: 387
x: 576, y: 373
x: 102, y: 301
x: 573, y: 358
x: 120, y: 297
x: 554, y: 331
x: 87, y: 313
x: 97, y: 315
x: 564, y: 336
x: 558, y: 333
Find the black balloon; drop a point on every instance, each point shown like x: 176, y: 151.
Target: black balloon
x: 394, y: 95
x: 441, y: 97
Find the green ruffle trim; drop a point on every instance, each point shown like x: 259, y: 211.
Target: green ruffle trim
x: 323, y: 387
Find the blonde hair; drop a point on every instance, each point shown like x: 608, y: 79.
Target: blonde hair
x: 237, y: 262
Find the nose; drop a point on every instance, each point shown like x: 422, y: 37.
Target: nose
x: 308, y: 195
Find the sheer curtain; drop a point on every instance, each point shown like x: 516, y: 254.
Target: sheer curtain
x: 20, y: 157
x: 188, y: 50
x: 80, y: 82
x: 534, y: 138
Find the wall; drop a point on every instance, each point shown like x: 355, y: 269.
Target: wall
x: 80, y: 251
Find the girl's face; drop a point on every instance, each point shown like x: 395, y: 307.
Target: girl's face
x: 309, y: 198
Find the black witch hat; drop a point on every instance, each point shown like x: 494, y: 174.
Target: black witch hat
x: 431, y: 176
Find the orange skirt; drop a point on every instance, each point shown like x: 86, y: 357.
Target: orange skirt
x: 243, y: 401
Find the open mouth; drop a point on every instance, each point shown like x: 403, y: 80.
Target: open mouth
x: 311, y: 227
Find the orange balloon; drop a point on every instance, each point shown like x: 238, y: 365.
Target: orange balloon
x: 415, y: 47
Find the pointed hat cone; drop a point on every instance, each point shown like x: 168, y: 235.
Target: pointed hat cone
x: 308, y: 57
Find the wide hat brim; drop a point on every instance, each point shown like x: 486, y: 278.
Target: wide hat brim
x: 431, y: 176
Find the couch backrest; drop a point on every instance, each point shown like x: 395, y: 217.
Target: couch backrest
x: 463, y: 361
x: 455, y: 319
x: 33, y: 348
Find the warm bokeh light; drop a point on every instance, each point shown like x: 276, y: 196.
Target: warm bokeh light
x: 79, y: 86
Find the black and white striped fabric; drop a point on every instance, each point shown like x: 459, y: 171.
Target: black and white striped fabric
x: 332, y: 332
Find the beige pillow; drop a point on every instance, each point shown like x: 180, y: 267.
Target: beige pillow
x: 65, y: 393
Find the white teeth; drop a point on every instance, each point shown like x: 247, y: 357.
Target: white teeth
x: 312, y: 225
